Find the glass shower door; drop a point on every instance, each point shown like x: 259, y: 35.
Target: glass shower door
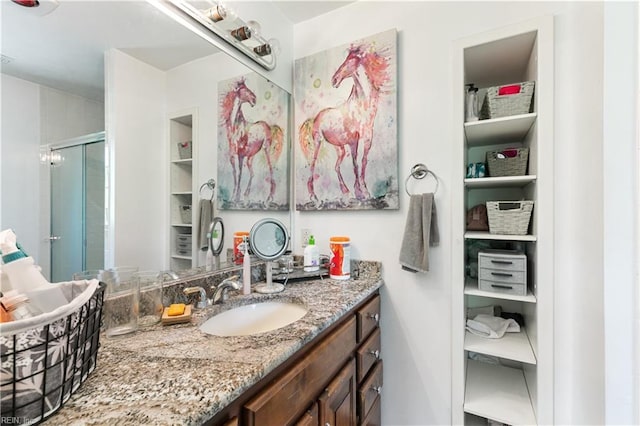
x: 67, y: 207
x: 77, y: 210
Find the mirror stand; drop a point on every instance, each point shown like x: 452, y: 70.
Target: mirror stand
x: 269, y: 286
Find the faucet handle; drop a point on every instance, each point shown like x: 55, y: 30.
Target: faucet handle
x: 202, y: 303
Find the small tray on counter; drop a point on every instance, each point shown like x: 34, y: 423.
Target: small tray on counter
x: 299, y: 274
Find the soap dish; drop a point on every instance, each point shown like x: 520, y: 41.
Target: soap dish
x: 176, y: 319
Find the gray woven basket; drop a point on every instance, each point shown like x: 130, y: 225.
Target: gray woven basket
x: 509, y: 217
x: 495, y: 105
x: 185, y: 150
x: 185, y: 214
x: 509, y: 166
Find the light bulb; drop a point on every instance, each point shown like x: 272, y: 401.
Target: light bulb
x: 220, y: 12
x: 255, y: 28
x: 275, y: 46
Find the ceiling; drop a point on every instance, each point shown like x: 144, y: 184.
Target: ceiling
x: 65, y: 48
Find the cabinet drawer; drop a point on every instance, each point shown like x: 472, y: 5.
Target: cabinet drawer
x: 504, y: 288
x: 511, y: 277
x: 368, y: 354
x: 310, y: 418
x: 287, y: 397
x: 500, y: 259
x: 368, y: 318
x: 369, y: 391
x: 374, y: 418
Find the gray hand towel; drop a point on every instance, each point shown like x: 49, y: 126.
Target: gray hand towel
x: 206, y: 215
x: 420, y: 232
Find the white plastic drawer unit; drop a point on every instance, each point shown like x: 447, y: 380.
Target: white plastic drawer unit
x: 502, y: 271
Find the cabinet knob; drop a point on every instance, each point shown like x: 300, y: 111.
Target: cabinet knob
x: 327, y: 424
x: 377, y: 389
x: 376, y: 353
x: 375, y: 317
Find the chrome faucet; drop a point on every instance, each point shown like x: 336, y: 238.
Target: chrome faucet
x: 220, y: 293
x: 200, y: 304
x: 171, y: 274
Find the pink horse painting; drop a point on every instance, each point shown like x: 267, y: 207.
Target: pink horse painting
x: 349, y: 126
x: 245, y: 139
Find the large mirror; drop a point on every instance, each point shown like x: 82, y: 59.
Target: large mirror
x: 110, y: 133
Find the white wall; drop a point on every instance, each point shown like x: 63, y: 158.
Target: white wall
x: 620, y: 166
x: 19, y: 151
x: 416, y: 308
x: 136, y: 129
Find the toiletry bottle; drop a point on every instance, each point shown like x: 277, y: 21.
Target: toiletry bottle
x: 246, y: 269
x: 311, y: 256
x: 25, y: 276
x: 17, y: 306
x: 472, y: 103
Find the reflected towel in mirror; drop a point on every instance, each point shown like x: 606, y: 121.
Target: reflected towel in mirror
x: 206, y: 216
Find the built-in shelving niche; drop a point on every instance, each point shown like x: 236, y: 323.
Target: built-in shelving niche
x: 500, y: 383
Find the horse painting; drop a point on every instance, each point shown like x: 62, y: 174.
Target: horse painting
x: 245, y: 139
x: 350, y: 128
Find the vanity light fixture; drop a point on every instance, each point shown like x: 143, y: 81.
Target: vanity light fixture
x: 220, y: 23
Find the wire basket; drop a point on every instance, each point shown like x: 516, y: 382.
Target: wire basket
x: 185, y: 213
x: 509, y: 217
x: 185, y: 150
x: 508, y: 166
x: 511, y: 99
x: 44, y: 365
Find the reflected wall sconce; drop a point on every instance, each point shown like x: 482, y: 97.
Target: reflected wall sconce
x: 221, y: 22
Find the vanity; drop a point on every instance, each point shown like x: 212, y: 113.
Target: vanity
x: 324, y: 368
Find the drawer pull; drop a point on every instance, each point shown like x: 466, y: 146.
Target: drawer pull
x: 501, y: 274
x: 376, y: 353
x: 377, y: 389
x: 375, y: 317
x: 502, y: 262
x: 508, y: 287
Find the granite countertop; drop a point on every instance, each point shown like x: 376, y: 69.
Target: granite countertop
x: 166, y: 375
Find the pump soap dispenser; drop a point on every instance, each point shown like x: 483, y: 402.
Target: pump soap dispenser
x: 311, y: 256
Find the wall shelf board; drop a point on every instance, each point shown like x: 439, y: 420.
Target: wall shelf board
x: 471, y: 289
x: 185, y: 162
x: 498, y: 130
x: 182, y: 225
x: 498, y: 393
x: 177, y: 256
x: 500, y: 182
x: 478, y: 235
x: 182, y: 193
x: 513, y: 346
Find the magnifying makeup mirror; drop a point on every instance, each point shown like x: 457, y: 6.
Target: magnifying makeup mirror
x: 215, y: 240
x: 269, y: 240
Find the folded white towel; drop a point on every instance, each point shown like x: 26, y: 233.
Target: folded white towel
x: 491, y: 327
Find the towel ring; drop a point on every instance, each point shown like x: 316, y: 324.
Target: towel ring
x: 419, y: 171
x: 211, y: 184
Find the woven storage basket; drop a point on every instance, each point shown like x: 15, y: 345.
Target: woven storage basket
x: 496, y: 105
x: 184, y: 150
x: 185, y: 213
x: 509, y: 217
x: 509, y: 166
x: 46, y: 358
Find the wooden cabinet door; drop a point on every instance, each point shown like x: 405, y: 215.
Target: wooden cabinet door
x: 338, y: 402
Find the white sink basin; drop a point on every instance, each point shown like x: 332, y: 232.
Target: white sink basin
x: 253, y: 319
